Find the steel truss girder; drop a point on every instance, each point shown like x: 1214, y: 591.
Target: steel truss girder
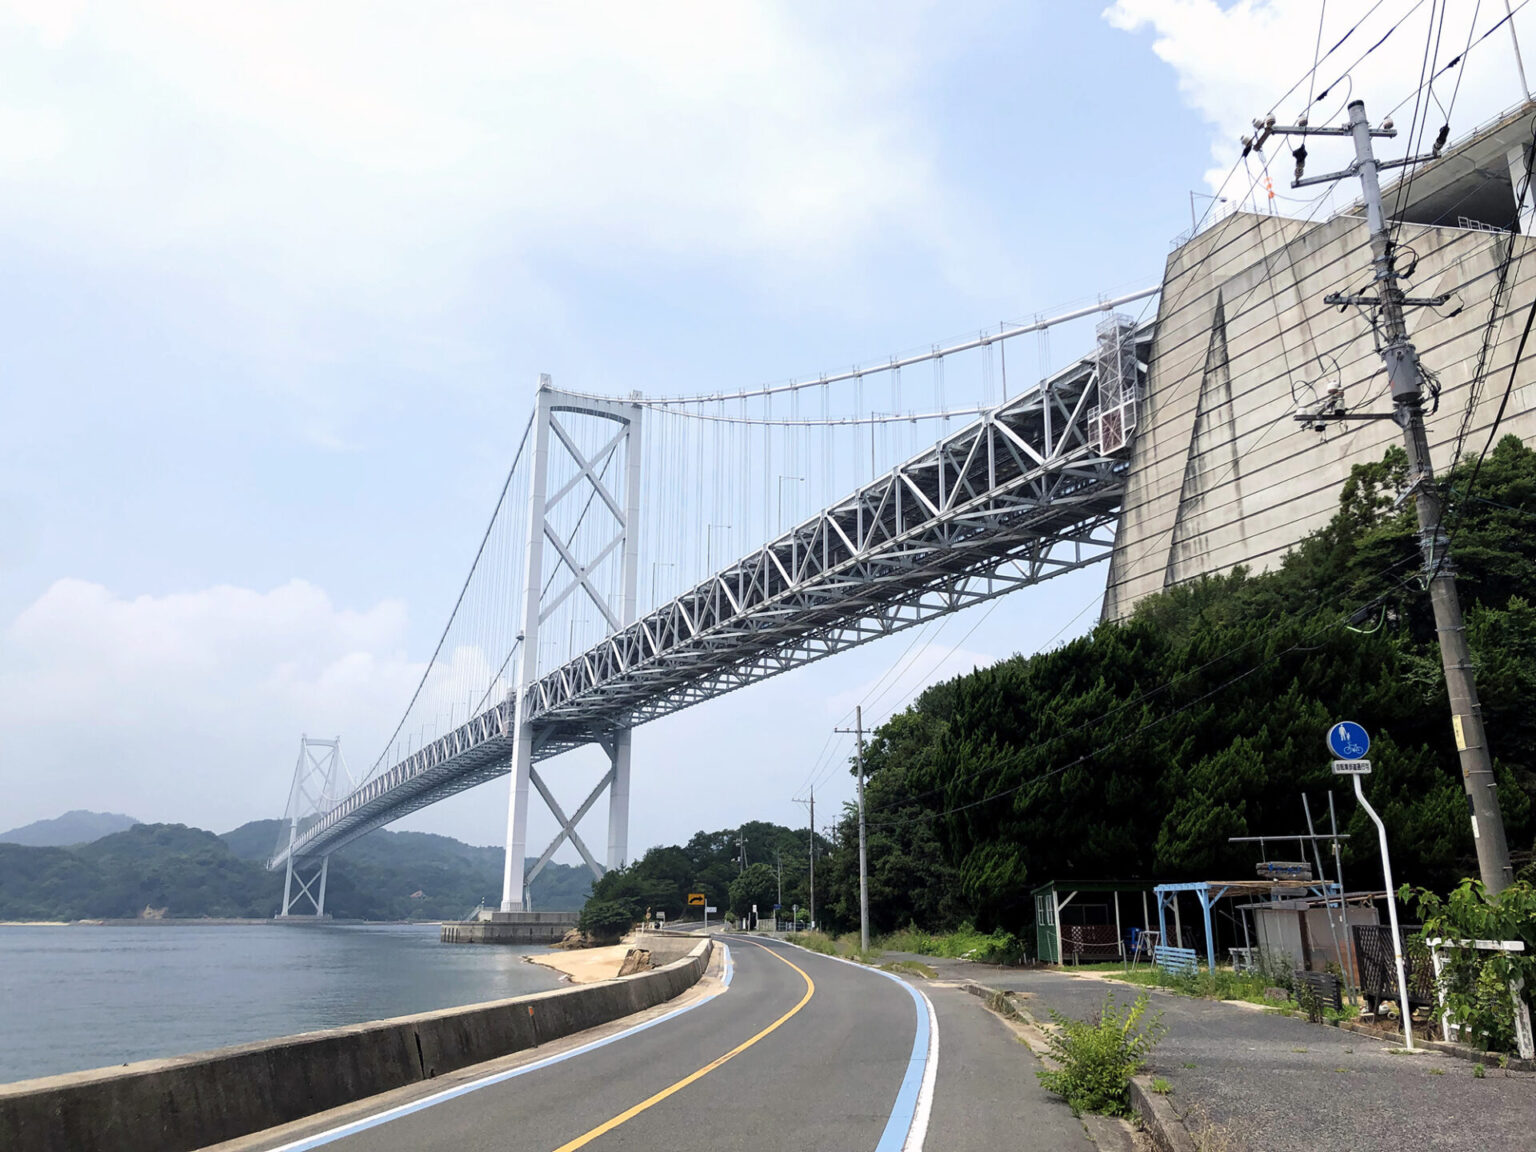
x: 1014, y: 498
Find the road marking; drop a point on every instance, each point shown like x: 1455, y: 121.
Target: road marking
x: 907, y: 1127
x: 356, y: 1126
x: 630, y: 1113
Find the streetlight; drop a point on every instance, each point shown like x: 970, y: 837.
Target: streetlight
x: 709, y: 545
x: 782, y: 478
x: 655, y: 564
x: 1194, y: 225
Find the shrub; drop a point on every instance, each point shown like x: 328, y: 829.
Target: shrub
x: 605, y: 920
x: 1098, y: 1056
x: 1477, y: 983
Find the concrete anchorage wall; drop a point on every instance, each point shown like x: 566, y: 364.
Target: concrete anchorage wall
x: 191, y: 1101
x: 1222, y: 474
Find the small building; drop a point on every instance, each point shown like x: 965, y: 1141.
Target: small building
x: 1078, y: 920
x: 1315, y: 933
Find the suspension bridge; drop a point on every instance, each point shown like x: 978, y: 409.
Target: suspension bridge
x: 620, y: 578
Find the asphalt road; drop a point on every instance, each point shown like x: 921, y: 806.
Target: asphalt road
x: 800, y: 1051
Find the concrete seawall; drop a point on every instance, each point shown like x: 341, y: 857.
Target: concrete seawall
x: 188, y: 1102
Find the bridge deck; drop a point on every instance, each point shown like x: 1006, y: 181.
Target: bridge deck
x: 1024, y: 493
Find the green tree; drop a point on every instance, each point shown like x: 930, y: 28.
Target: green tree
x: 757, y: 885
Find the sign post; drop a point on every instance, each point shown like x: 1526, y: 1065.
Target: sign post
x: 1349, y: 743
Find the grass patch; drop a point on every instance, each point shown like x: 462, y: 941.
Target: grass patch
x: 1222, y: 984
x: 1161, y: 1086
x: 965, y: 943
x: 911, y: 968
x: 845, y: 946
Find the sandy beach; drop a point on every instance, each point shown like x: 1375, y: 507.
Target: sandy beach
x: 585, y: 965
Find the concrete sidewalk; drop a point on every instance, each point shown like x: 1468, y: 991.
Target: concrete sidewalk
x: 1275, y: 1083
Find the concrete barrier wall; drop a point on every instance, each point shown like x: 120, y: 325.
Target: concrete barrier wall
x: 189, y: 1102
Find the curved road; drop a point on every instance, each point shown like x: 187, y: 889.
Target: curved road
x: 783, y: 1049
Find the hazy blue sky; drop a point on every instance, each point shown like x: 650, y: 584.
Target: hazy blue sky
x: 279, y: 281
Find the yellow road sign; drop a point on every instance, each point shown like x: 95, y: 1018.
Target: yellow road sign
x: 696, y: 898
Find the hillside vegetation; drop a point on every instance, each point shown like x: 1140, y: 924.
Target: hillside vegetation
x: 711, y: 863
x: 192, y: 873
x: 1138, y: 750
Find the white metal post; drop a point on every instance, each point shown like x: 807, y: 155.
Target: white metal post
x: 528, y: 665
x: 618, y: 791
x: 1397, y: 943
x: 618, y: 801
x: 325, y: 870
x: 288, y: 879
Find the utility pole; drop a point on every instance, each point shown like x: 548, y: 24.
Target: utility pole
x: 1406, y: 379
x: 779, y: 863
x: 812, y: 831
x: 741, y: 842
x: 858, y: 730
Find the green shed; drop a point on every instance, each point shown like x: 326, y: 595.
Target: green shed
x: 1077, y: 920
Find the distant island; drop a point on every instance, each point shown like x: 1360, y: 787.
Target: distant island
x: 171, y: 871
x: 77, y: 827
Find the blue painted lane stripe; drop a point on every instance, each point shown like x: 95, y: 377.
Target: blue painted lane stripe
x: 899, y: 1124
x: 894, y: 1138
x: 385, y: 1117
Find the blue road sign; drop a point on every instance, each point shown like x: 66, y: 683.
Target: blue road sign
x: 1348, y: 741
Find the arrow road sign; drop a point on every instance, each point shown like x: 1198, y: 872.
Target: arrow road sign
x: 1348, y: 741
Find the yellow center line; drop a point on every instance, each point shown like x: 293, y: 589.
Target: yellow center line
x: 629, y: 1113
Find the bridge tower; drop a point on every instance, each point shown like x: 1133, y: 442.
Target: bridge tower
x: 607, y: 483
x: 319, y: 780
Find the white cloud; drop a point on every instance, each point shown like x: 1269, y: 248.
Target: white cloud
x: 381, y: 147
x: 1236, y: 63
x: 188, y: 706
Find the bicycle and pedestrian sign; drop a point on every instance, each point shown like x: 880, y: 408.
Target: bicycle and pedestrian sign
x: 1349, y: 743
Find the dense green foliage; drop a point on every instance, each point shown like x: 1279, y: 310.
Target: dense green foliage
x: 1098, y: 1056
x: 193, y: 873
x: 711, y: 863
x: 604, y: 921
x: 1136, y: 751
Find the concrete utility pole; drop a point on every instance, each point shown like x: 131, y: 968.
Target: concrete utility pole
x: 812, y: 833
x: 741, y: 842
x: 1406, y: 379
x: 858, y: 730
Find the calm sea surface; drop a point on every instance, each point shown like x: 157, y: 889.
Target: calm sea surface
x: 83, y: 997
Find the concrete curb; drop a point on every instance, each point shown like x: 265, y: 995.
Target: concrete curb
x: 1443, y: 1047
x: 189, y: 1102
x: 1164, y: 1125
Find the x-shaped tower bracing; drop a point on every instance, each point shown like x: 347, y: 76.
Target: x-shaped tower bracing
x: 1029, y: 490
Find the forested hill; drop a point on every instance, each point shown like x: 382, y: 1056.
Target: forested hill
x: 192, y: 873
x: 1138, y: 750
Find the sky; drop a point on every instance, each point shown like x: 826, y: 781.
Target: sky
x: 281, y: 279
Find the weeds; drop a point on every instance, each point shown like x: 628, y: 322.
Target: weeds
x: 846, y: 945
x: 911, y: 968
x: 1161, y: 1086
x: 1002, y: 1004
x: 1208, y: 1135
x: 1098, y: 1056
x: 1479, y: 1072
x: 965, y: 943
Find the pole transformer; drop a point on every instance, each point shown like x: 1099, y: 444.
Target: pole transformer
x: 1406, y: 378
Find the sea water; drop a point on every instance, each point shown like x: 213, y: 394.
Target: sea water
x: 84, y: 996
